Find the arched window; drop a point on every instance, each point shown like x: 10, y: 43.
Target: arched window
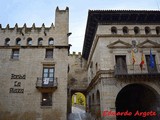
x: 136, y: 30
x: 40, y: 40
x: 18, y: 41
x: 50, y: 41
x: 125, y: 30
x: 158, y: 30
x: 114, y: 30
x: 147, y: 30
x: 29, y: 41
x: 7, y: 42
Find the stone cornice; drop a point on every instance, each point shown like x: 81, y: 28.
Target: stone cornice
x: 96, y: 79
x: 35, y: 46
x: 128, y: 35
x: 125, y: 44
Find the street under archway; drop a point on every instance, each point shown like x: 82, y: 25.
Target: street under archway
x: 79, y: 101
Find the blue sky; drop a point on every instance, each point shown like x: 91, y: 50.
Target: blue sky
x: 43, y: 11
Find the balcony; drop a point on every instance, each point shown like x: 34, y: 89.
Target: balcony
x: 135, y: 71
x: 46, y: 84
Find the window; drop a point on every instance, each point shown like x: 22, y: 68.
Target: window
x: 7, y: 41
x: 114, y: 30
x: 48, y: 76
x: 49, y: 53
x: 121, y: 65
x: 48, y: 72
x: 158, y: 30
x: 46, y: 99
x: 29, y: 41
x: 15, y: 54
x: 40, y: 40
x: 50, y: 42
x: 147, y: 30
x: 136, y: 30
x: 18, y: 41
x: 125, y: 30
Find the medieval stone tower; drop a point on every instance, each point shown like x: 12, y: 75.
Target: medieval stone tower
x: 33, y: 70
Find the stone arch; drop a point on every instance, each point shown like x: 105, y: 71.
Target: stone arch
x: 136, y: 30
x: 51, y: 41
x: 113, y: 30
x: 76, y: 101
x: 147, y: 30
x: 137, y: 97
x: 40, y: 40
x: 125, y: 30
x: 29, y: 41
x: 7, y: 41
x: 18, y: 41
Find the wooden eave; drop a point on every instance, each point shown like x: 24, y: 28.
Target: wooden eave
x: 115, y: 16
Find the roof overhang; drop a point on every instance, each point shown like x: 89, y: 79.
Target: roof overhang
x: 96, y: 17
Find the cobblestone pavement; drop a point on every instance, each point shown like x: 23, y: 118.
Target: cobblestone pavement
x: 79, y: 114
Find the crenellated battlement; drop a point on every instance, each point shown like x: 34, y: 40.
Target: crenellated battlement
x: 75, y: 59
x: 57, y: 32
x: 76, y: 54
x: 61, y: 15
x: 25, y: 30
x: 66, y: 10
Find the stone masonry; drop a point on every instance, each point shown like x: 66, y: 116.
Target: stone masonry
x: 116, y: 83
x: 28, y: 57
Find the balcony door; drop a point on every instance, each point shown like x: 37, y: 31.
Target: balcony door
x: 48, y: 76
x: 121, y: 66
x: 150, y: 69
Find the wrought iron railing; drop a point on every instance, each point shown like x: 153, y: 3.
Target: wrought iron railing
x: 136, y: 69
x: 46, y: 82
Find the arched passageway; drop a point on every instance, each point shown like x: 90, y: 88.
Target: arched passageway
x: 136, y: 98
x: 78, y: 102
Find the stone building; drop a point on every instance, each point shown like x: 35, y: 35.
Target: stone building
x: 120, y: 60
x: 77, y: 77
x: 33, y: 70
x: 122, y: 49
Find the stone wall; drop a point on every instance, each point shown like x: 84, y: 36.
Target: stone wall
x: 77, y: 71
x: 19, y: 95
x: 101, y: 64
